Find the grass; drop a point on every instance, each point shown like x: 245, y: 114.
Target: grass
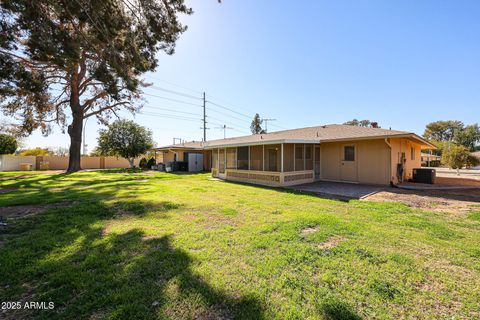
x: 133, y: 245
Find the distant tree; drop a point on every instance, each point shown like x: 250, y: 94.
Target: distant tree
x: 126, y: 139
x: 442, y: 130
x: 70, y: 60
x: 8, y: 144
x: 468, y: 137
x: 35, y: 152
x: 59, y: 151
x: 457, y: 157
x: 353, y: 122
x: 362, y: 123
x: 95, y: 152
x: 256, y: 126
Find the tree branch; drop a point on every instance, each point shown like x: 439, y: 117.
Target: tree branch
x: 106, y: 108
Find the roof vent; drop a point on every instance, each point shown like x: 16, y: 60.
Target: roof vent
x: 324, y: 127
x: 317, y: 134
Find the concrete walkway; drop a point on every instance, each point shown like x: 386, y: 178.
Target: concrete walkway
x: 339, y: 190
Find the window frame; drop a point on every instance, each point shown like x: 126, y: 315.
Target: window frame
x: 352, y: 147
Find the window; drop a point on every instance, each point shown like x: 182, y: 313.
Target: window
x: 308, y: 152
x: 242, y: 157
x: 299, y: 152
x: 412, y: 153
x: 348, y: 153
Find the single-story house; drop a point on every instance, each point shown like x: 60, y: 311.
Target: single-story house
x: 329, y: 152
x: 185, y: 156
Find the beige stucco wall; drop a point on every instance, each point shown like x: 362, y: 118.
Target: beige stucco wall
x: 404, y: 145
x: 90, y: 162
x: 12, y: 163
x: 372, y: 161
x: 56, y: 162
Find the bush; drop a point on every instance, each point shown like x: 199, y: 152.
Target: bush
x: 143, y: 163
x: 8, y: 144
x: 151, y: 162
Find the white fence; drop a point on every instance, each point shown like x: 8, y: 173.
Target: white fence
x: 12, y: 163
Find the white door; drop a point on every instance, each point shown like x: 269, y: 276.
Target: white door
x: 348, y: 163
x: 195, y: 162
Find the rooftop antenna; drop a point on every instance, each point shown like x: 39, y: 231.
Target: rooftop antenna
x: 224, y: 127
x: 175, y: 140
x: 266, y: 123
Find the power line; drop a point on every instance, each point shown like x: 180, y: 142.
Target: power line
x: 266, y: 123
x: 173, y: 100
x: 224, y: 128
x: 227, y: 115
x: 168, y: 116
x: 176, y: 92
x: 171, y: 110
x: 175, y: 85
x: 231, y: 110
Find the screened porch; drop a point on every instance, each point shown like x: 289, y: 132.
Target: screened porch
x: 269, y: 164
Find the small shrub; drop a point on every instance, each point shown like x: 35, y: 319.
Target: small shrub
x: 143, y: 163
x: 151, y: 162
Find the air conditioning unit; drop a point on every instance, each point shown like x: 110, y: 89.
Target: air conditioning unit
x: 423, y: 175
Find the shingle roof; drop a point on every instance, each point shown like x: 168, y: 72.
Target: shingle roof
x: 331, y: 132
x: 325, y: 133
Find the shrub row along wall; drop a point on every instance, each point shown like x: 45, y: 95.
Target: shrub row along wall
x: 12, y: 163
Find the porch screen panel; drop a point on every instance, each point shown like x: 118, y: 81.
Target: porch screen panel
x: 308, y: 157
x: 215, y: 158
x: 273, y: 154
x: 231, y: 158
x: 256, y: 154
x: 221, y: 161
x: 288, y: 157
x: 242, y: 158
x: 299, y: 157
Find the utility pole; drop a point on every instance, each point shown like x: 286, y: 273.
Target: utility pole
x: 266, y: 123
x: 224, y: 127
x: 84, y: 144
x: 204, y: 119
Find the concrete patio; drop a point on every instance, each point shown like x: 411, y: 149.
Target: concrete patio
x: 339, y: 190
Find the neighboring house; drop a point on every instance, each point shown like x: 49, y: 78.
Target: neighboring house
x: 331, y: 152
x: 430, y: 160
x: 187, y: 156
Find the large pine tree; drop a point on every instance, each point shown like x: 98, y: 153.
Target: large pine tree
x: 62, y: 61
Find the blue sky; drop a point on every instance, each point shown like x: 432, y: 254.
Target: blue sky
x: 304, y: 63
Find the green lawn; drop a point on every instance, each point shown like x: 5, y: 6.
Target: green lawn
x: 126, y: 245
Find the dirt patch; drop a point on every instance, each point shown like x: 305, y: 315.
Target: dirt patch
x: 215, y: 312
x: 146, y: 238
x: 455, y: 201
x: 456, y: 181
x: 309, y: 230
x: 20, y: 176
x: 331, y: 243
x: 7, y: 189
x: 22, y: 211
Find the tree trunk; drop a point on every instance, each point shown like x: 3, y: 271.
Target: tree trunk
x: 75, y: 132
x: 131, y: 162
x: 76, y: 127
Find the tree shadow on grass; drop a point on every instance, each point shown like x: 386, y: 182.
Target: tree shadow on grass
x: 334, y: 309
x: 63, y: 257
